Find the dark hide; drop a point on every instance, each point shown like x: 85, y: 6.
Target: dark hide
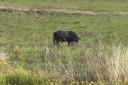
x: 65, y: 36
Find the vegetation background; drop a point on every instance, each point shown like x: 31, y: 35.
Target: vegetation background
x: 28, y: 56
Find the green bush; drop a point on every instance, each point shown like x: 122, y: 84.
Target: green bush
x: 2, y: 79
x: 20, y: 77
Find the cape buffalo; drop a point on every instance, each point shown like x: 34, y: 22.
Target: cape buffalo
x: 65, y: 36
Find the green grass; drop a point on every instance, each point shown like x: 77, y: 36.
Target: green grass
x: 36, y: 30
x: 27, y: 41
x: 93, y: 5
x: 100, y: 56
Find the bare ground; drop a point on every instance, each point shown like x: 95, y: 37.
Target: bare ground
x: 65, y: 11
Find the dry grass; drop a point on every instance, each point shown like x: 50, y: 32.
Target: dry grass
x: 107, y: 64
x: 2, y: 58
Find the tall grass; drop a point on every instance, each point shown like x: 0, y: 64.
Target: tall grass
x: 95, y: 64
x: 99, y: 56
x: 107, y: 64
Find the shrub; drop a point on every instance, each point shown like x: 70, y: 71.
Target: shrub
x: 20, y: 77
x: 2, y: 79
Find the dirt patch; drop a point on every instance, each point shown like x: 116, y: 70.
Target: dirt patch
x: 65, y: 11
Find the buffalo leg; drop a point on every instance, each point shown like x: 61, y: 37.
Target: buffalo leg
x: 72, y: 43
x: 57, y: 43
x: 69, y: 43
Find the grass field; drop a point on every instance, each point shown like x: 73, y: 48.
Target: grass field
x: 27, y: 41
x: 91, y: 5
x: 29, y: 57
